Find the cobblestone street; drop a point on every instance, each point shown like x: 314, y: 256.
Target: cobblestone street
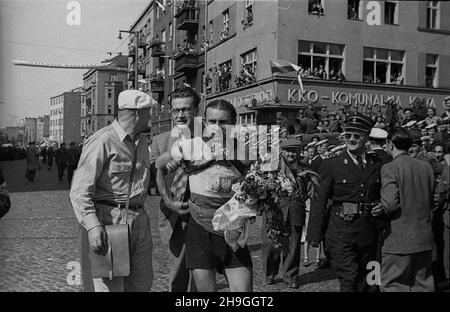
x: 39, y: 241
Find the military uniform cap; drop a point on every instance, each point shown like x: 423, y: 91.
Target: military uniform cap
x: 425, y: 138
x: 321, y: 142
x: 410, y: 123
x: 431, y: 126
x: 359, y: 122
x: 311, y: 144
x: 377, y: 133
x: 135, y: 99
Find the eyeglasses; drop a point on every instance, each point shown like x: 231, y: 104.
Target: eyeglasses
x: 348, y: 136
x: 183, y: 111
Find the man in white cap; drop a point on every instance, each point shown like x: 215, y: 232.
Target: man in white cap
x: 317, y: 160
x: 377, y: 139
x: 113, y: 158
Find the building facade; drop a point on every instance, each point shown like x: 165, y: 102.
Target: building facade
x: 65, y: 117
x: 170, y: 53
x: 354, y: 54
x: 360, y: 65
x: 30, y: 130
x: 42, y: 129
x: 101, y: 88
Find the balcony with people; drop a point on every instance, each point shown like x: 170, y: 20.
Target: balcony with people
x: 157, y: 80
x: 157, y: 47
x: 187, y: 15
x: 186, y: 56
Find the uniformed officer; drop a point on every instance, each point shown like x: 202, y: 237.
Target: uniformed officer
x: 100, y: 186
x: 352, y: 181
x: 377, y: 138
x: 317, y: 160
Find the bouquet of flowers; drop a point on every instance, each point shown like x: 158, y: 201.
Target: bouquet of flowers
x: 259, y: 192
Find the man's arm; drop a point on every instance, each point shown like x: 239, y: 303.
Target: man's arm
x: 83, y: 184
x: 390, y: 198
x: 165, y: 164
x: 319, y: 204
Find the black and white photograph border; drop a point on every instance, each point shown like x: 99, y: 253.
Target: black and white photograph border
x: 302, y: 68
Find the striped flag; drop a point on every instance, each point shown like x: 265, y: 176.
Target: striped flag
x: 284, y: 67
x: 246, y: 71
x: 161, y: 6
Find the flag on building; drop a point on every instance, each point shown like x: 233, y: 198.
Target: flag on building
x: 284, y: 67
x: 161, y: 6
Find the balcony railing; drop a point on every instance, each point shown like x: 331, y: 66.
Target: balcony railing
x: 157, y: 48
x: 187, y: 16
x: 186, y: 61
x: 156, y: 82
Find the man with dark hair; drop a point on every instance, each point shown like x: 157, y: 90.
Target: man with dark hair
x: 210, y: 181
x: 351, y: 181
x: 406, y: 197
x: 172, y: 225
x: 408, y: 116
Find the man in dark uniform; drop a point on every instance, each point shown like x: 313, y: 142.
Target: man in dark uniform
x: 377, y: 138
x: 317, y: 160
x: 352, y: 181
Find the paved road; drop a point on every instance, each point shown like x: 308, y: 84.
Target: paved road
x: 39, y: 240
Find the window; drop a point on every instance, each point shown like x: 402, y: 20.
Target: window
x: 431, y: 72
x: 248, y: 18
x: 109, y: 93
x: 390, y: 12
x: 224, y: 73
x: 433, y: 14
x: 109, y: 109
x: 315, y: 7
x: 211, y: 32
x: 248, y: 65
x: 170, y: 31
x: 354, y: 10
x: 383, y: 66
x: 226, y: 24
x: 113, y: 77
x: 321, y: 60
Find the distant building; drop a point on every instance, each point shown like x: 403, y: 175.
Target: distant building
x: 170, y: 53
x: 14, y: 133
x: 42, y: 129
x: 30, y: 130
x: 65, y: 117
x: 101, y: 88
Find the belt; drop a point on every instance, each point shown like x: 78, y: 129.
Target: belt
x: 118, y: 205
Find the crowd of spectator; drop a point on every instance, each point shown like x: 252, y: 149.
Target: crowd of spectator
x: 321, y: 73
x: 219, y: 78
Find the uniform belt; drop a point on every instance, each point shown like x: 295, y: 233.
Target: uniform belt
x: 118, y: 205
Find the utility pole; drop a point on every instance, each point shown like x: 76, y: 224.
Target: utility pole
x: 137, y: 38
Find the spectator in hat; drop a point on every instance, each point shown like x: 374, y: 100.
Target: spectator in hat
x: 61, y: 160
x: 377, y: 139
x: 294, y: 211
x: 110, y: 187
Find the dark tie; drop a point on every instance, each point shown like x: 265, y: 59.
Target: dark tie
x: 360, y: 163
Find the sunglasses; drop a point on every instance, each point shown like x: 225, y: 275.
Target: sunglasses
x: 348, y: 136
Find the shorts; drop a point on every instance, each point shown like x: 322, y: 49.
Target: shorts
x: 209, y: 251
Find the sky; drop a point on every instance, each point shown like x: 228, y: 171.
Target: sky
x: 37, y: 30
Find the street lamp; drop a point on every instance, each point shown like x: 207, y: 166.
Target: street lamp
x: 136, y: 35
